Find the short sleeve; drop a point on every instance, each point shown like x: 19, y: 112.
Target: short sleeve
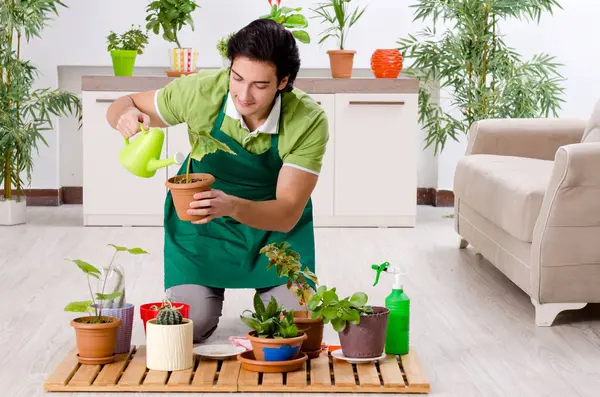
x: 172, y: 101
x: 308, y: 151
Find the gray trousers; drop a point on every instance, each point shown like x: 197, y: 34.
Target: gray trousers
x: 206, y: 304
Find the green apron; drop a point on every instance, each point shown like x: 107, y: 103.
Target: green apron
x: 224, y: 253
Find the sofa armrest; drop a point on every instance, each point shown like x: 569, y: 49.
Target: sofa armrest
x: 565, y: 256
x: 528, y: 137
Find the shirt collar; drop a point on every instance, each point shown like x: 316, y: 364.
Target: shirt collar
x: 270, y: 126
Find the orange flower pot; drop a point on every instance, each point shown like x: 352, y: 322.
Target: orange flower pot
x: 386, y: 63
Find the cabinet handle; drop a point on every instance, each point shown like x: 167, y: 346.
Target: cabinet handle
x: 376, y: 102
x: 105, y: 100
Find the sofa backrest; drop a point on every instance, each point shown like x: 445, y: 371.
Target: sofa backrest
x: 592, y: 130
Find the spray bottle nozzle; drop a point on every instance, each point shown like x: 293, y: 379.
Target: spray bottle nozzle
x: 379, y: 269
x: 384, y: 267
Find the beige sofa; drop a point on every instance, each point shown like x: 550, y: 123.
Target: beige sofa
x: 527, y: 198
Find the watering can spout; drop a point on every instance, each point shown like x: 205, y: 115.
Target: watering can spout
x: 155, y: 164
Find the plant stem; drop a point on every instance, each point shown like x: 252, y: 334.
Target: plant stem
x: 485, y: 56
x: 17, y: 173
x: 176, y: 40
x: 7, y: 176
x: 187, y: 171
x: 106, y: 277
x: 92, y: 293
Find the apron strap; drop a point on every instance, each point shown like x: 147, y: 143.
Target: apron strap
x: 221, y: 115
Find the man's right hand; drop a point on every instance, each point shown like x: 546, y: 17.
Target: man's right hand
x: 127, y: 112
x: 128, y: 123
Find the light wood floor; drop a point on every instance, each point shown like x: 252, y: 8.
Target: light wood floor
x: 472, y: 328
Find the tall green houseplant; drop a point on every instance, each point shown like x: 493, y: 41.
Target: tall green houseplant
x: 486, y: 77
x: 24, y: 112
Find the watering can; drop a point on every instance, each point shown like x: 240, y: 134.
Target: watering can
x: 141, y: 156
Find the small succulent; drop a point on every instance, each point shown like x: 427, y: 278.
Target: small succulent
x: 169, y: 316
x: 272, y: 321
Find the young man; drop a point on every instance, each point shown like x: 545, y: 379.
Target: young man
x: 261, y: 194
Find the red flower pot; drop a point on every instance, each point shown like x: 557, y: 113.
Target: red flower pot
x: 386, y: 63
x: 150, y: 314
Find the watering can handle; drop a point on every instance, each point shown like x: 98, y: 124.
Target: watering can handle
x: 145, y: 131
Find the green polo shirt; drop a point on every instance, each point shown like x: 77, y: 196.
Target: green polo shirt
x: 197, y: 98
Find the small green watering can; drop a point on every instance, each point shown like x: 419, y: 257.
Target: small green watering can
x: 141, y: 156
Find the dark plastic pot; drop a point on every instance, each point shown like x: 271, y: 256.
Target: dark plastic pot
x: 366, y: 339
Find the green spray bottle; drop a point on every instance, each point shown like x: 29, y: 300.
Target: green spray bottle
x: 398, y: 329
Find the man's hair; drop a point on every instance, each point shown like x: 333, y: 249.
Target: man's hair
x: 268, y: 41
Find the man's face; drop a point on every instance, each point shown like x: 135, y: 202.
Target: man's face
x: 253, y: 85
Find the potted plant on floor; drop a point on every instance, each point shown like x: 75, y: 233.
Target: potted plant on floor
x: 171, y: 16
x: 290, y: 18
x: 169, y: 341
x: 341, y: 18
x: 25, y: 113
x: 361, y: 328
x: 125, y: 48
x: 222, y: 48
x: 96, y: 334
x: 149, y: 311
x: 184, y: 186
x: 275, y: 337
x: 287, y: 264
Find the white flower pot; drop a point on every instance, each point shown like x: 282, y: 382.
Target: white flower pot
x: 12, y: 212
x: 169, y: 347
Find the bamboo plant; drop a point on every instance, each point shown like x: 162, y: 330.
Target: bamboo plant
x: 483, y: 75
x: 25, y: 113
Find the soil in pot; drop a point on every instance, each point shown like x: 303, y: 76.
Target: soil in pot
x: 341, y: 63
x: 96, y: 341
x: 276, y: 349
x: 313, y: 328
x: 183, y: 192
x: 367, y: 339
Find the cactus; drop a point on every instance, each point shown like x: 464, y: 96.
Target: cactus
x: 169, y: 316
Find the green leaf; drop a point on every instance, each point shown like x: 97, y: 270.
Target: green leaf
x: 87, y: 268
x: 314, y: 302
x: 296, y: 21
x: 330, y: 312
x: 79, y: 307
x: 359, y: 299
x: 108, y: 297
x: 206, y: 144
x: 302, y: 36
x: 252, y: 323
x: 338, y: 324
x: 259, y: 306
x: 330, y: 297
x: 134, y: 251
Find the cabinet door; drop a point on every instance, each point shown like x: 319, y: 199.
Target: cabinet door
x: 376, y: 150
x: 111, y: 194
x: 177, y: 141
x: 322, y: 196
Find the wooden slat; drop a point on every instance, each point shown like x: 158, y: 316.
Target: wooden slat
x: 247, y: 379
x: 136, y: 369
x: 156, y: 378
x: 64, y: 371
x: 181, y: 378
x: 367, y: 375
x: 343, y: 373
x: 297, y: 379
x: 85, y: 375
x: 205, y: 373
x: 228, y: 376
x: 319, y: 371
x: 413, y: 371
x: 272, y: 379
x: 110, y: 372
x: 390, y: 372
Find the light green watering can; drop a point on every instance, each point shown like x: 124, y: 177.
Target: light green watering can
x: 141, y: 156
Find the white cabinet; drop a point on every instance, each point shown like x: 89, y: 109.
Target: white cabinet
x: 177, y: 141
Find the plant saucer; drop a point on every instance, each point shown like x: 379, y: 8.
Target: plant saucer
x: 249, y: 363
x: 355, y: 360
x: 219, y: 351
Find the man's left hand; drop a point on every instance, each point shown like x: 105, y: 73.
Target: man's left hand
x: 212, y: 203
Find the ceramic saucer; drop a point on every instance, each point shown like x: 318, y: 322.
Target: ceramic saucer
x: 355, y: 360
x: 219, y: 351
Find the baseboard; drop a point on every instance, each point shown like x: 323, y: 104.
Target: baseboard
x: 74, y: 195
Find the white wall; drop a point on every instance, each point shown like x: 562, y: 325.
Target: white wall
x: 77, y: 37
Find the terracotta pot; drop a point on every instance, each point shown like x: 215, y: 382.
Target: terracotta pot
x: 275, y: 349
x: 386, y: 63
x: 341, y: 63
x: 170, y: 347
x: 313, y: 328
x: 96, y: 342
x: 183, y: 193
x: 366, y: 339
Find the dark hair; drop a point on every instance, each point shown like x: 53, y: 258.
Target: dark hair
x: 268, y: 41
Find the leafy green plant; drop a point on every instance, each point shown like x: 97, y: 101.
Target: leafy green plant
x: 25, y: 113
x: 326, y: 304
x: 486, y: 78
x: 95, y: 305
x: 171, y: 16
x: 340, y: 16
x: 222, y: 45
x: 135, y: 39
x: 290, y: 18
x: 287, y: 264
x: 271, y: 321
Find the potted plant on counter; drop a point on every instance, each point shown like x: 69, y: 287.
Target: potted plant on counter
x: 341, y: 18
x: 291, y: 19
x: 287, y: 264
x: 222, y: 48
x: 361, y: 328
x: 169, y: 341
x: 171, y: 16
x: 125, y: 48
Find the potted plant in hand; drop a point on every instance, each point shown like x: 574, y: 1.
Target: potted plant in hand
x: 290, y: 18
x: 275, y: 337
x: 125, y: 48
x: 169, y: 341
x: 184, y: 186
x: 96, y: 334
x: 361, y: 328
x: 341, y: 18
x: 222, y: 48
x: 171, y: 16
x: 287, y: 264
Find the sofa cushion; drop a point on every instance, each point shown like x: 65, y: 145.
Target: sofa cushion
x: 506, y: 190
x: 592, y: 130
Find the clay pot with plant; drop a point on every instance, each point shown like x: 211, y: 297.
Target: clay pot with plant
x: 96, y: 334
x: 183, y: 187
x: 124, y: 49
x: 287, y: 264
x: 340, y: 17
x: 361, y: 328
x: 169, y: 341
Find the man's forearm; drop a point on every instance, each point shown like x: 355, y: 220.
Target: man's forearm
x: 117, y: 108
x: 273, y: 215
